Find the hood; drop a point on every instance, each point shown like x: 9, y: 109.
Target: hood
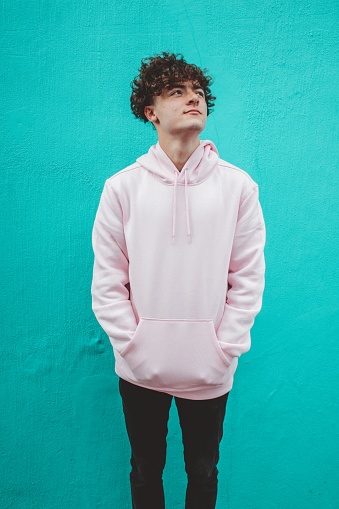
x: 196, y: 169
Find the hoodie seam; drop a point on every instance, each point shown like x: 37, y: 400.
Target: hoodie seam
x: 248, y: 195
x: 116, y: 196
x: 125, y: 170
x: 225, y: 164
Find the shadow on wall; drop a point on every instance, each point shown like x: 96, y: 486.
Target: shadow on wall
x: 100, y: 441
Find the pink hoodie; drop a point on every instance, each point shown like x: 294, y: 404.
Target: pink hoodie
x: 179, y: 271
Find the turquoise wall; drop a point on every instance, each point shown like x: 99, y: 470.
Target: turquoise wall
x: 66, y: 127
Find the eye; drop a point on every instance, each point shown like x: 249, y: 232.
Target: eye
x: 201, y: 93
x: 175, y: 92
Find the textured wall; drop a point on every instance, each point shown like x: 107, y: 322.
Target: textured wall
x: 66, y: 69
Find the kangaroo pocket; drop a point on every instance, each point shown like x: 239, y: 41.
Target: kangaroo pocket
x: 176, y: 353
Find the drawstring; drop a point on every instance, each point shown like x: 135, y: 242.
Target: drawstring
x: 174, y: 217
x: 187, y: 210
x: 174, y: 205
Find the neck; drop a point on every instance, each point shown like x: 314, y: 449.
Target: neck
x: 179, y: 150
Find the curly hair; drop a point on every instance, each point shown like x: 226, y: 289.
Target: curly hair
x: 166, y: 70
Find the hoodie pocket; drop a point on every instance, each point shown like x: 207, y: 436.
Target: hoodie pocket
x: 176, y: 353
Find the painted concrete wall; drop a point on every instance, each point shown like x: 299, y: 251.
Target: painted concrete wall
x: 66, y: 127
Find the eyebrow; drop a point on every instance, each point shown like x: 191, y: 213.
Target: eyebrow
x: 180, y: 85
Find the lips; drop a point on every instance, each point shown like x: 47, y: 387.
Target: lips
x: 192, y: 111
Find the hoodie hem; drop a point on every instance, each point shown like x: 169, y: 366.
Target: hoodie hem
x: 195, y: 393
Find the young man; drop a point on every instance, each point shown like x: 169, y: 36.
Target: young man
x: 178, y: 279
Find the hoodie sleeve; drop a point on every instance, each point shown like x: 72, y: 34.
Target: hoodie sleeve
x: 110, y: 295
x: 245, y: 279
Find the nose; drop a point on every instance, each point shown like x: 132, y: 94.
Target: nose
x: 193, y: 98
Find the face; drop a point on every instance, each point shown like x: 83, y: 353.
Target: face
x: 181, y: 109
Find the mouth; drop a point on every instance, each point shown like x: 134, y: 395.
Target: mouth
x: 195, y: 112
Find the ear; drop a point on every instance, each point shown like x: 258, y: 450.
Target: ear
x: 149, y: 114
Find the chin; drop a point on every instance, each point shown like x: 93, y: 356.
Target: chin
x: 196, y: 123
x: 196, y: 127
x: 193, y: 127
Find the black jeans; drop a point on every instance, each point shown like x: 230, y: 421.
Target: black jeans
x: 146, y: 415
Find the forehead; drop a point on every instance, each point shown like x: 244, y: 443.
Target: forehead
x: 183, y: 84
